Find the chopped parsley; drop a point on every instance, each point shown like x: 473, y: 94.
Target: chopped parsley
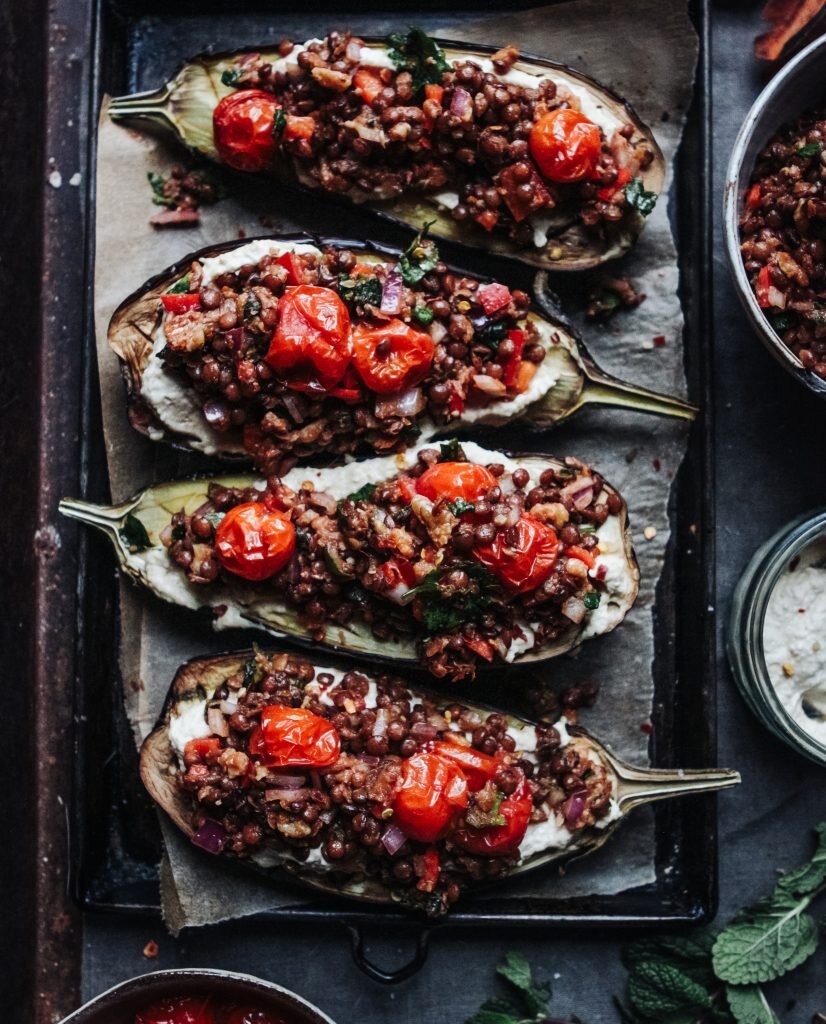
x: 180, y: 287
x: 423, y: 315
x: 420, y: 55
x: 214, y: 518
x: 587, y: 528
x: 459, y: 506
x: 360, y: 291
x: 232, y: 76
x: 780, y: 322
x: 133, y: 534
x: 491, y: 333
x: 252, y: 307
x: 477, y: 818
x: 252, y: 674
x: 810, y: 149
x: 178, y: 531
x: 157, y: 182
x: 364, y: 493
x: 279, y: 120
x: 592, y: 599
x: 639, y: 198
x: 419, y: 258
x: 440, y: 613
x: 452, y: 451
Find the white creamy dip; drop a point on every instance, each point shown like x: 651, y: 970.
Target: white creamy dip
x: 794, y: 640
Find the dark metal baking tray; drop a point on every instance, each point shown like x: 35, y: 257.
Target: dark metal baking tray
x: 114, y: 840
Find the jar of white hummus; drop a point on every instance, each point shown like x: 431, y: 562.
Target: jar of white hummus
x: 776, y: 640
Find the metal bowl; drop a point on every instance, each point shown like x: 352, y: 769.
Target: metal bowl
x: 799, y: 86
x: 119, y: 1004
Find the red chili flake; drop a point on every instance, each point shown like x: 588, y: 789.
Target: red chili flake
x: 647, y: 728
x: 241, y: 233
x: 150, y: 950
x: 656, y: 464
x: 659, y: 341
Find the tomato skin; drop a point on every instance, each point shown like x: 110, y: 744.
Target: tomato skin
x: 478, y: 768
x: 179, y: 1010
x: 493, y: 296
x: 242, y: 126
x: 398, y: 571
x: 311, y: 346
x: 454, y: 480
x: 198, y: 750
x: 512, y: 365
x: 293, y: 265
x: 523, y: 567
x: 500, y: 840
x: 566, y: 145
x: 433, y: 790
x: 294, y: 738
x: 253, y: 541
x: 405, y: 364
x: 181, y: 303
x: 583, y: 554
x: 298, y: 127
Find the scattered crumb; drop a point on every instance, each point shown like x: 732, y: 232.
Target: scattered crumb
x: 659, y: 341
x: 647, y: 345
x: 55, y: 179
x: 692, y: 529
x: 816, y: 646
x: 75, y: 179
x: 241, y: 233
x: 656, y: 464
x: 788, y: 669
x: 650, y: 532
x: 150, y: 950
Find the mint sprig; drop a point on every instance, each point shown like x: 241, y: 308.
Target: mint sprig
x: 526, y: 1001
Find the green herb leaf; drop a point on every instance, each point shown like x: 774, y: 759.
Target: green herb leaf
x: 231, y: 77
x: 811, y: 876
x: 214, y: 518
x: 423, y: 315
x: 781, y: 321
x: 279, y: 121
x: 658, y: 990
x: 452, y: 451
x: 420, y: 55
x: 748, y: 1005
x: 361, y: 290
x: 180, y: 287
x: 133, y: 534
x: 810, y: 149
x: 252, y: 673
x: 419, y: 258
x: 587, y: 528
x: 477, y: 818
x: 157, y: 182
x: 252, y: 307
x: 364, y: 493
x: 178, y: 531
x: 491, y: 333
x: 516, y: 970
x: 639, y: 198
x: 765, y: 941
x: 440, y: 612
x: 459, y: 507
x: 592, y: 599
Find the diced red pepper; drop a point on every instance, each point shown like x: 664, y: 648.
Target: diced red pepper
x: 519, y: 202
x: 197, y: 750
x: 456, y: 403
x: 763, y: 285
x: 350, y: 389
x: 427, y: 883
x: 622, y: 179
x: 487, y: 219
x: 368, y: 84
x: 480, y: 646
x: 753, y: 197
x: 181, y: 302
x: 397, y: 571
x: 294, y: 267
x: 583, y: 554
x: 493, y: 296
x: 434, y: 92
x: 407, y: 487
x: 298, y: 127
x: 512, y: 365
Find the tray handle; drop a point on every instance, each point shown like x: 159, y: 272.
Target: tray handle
x: 380, y: 975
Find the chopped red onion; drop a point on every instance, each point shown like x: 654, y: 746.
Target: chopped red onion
x: 175, y: 217
x: 391, y: 293
x: 461, y: 103
x: 288, y: 795
x: 574, y: 609
x: 327, y: 816
x: 369, y: 759
x: 776, y: 297
x: 438, y: 331
x: 574, y: 806
x: 315, y: 778
x: 294, y: 406
x: 581, y: 492
x: 422, y: 732
x: 354, y: 51
x: 288, y: 781
x: 438, y: 721
x: 228, y: 707
x: 211, y: 836
x: 216, y: 722
x: 234, y: 338
x: 406, y: 403
x: 601, y: 571
x: 489, y: 385
x: 382, y: 721
x: 166, y: 535
x: 393, y: 839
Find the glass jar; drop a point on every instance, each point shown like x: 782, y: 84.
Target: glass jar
x: 744, y: 640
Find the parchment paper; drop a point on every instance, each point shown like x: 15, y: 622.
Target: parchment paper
x: 646, y: 51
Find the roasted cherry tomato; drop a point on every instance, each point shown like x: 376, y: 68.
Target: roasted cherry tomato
x: 529, y: 562
x: 391, y: 357
x: 181, y: 302
x: 452, y: 480
x: 311, y: 346
x: 180, y: 1010
x: 242, y: 126
x: 500, y: 840
x: 239, y: 1015
x: 253, y: 541
x: 295, y: 738
x: 368, y: 84
x: 434, y: 789
x: 566, y: 145
x: 198, y: 750
x: 291, y: 262
x: 493, y: 297
x: 479, y: 768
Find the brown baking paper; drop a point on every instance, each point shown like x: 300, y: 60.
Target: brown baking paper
x: 647, y: 52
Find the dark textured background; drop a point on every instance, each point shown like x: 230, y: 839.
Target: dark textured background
x: 770, y: 447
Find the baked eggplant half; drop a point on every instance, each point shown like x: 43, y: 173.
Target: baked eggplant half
x: 456, y: 557
x: 360, y: 785
x: 226, y: 352
x: 517, y: 155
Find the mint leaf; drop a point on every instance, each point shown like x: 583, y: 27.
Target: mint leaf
x: 133, y: 534
x: 459, y: 506
x: 364, y: 493
x: 810, y: 149
x: 157, y: 182
x: 639, y: 198
x: 748, y: 1005
x: 690, y: 954
x: 516, y: 969
x: 658, y: 990
x: 419, y: 258
x: 361, y: 290
x: 451, y: 451
x: 180, y: 287
x: 423, y: 315
x: 765, y: 941
x: 420, y: 55
x: 811, y: 876
x: 592, y: 599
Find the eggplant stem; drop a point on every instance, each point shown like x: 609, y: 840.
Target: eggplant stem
x: 108, y: 518
x: 151, y: 105
x: 602, y: 389
x: 637, y: 786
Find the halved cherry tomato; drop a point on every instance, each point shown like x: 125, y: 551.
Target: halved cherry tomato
x: 181, y: 303
x: 198, y: 749
x: 398, y: 571
x: 179, y: 1010
x: 311, y: 345
x: 764, y: 283
x: 566, y: 145
x: 583, y: 554
x: 391, y: 357
x: 368, y: 84
x: 253, y: 541
x: 479, y: 768
x: 433, y: 791
x: 291, y: 262
x: 242, y: 125
x: 239, y: 1015
x: 487, y: 219
x: 529, y: 562
x: 499, y: 840
x: 452, y: 480
x: 350, y: 389
x: 621, y: 180
x: 298, y: 127
x: 294, y: 738
x: 512, y: 365
x: 493, y: 297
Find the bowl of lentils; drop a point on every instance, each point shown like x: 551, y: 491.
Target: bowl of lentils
x: 774, y: 215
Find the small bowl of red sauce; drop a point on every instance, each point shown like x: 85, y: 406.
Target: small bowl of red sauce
x: 197, y: 997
